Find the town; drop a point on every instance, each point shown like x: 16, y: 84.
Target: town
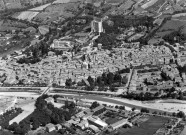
x: 93, y: 67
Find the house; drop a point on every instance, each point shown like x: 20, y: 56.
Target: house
x: 50, y: 127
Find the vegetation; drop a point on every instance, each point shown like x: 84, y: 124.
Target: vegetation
x: 175, y: 36
x: 9, y: 115
x: 107, y: 80
x: 42, y: 115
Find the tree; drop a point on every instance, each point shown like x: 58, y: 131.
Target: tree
x: 124, y: 80
x: 68, y: 82
x: 62, y: 131
x: 36, y: 124
x: 91, y: 81
x: 99, y: 81
x: 145, y: 110
x: 94, y: 105
x: 181, y: 114
x: 13, y: 126
x: 133, y: 109
x: 174, y: 114
x: 110, y: 78
x: 117, y: 77
x: 122, y: 107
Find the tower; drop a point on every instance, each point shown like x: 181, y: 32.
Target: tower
x: 96, y: 25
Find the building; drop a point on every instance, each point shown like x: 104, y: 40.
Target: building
x: 49, y: 100
x: 65, y: 100
x: 83, y: 124
x: 97, y: 122
x: 96, y: 25
x: 44, y: 29
x: 118, y: 124
x: 94, y: 128
x: 50, y: 127
x: 61, y: 45
x: 58, y: 127
x: 98, y: 110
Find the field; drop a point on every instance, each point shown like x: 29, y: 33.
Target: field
x: 148, y: 4
x: 181, y: 16
x: 61, y: 1
x: 148, y: 127
x: 114, y: 1
x: 5, y: 103
x: 53, y: 12
x: 170, y: 26
x: 27, y: 15
x: 11, y: 25
x: 40, y: 8
x: 153, y: 5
